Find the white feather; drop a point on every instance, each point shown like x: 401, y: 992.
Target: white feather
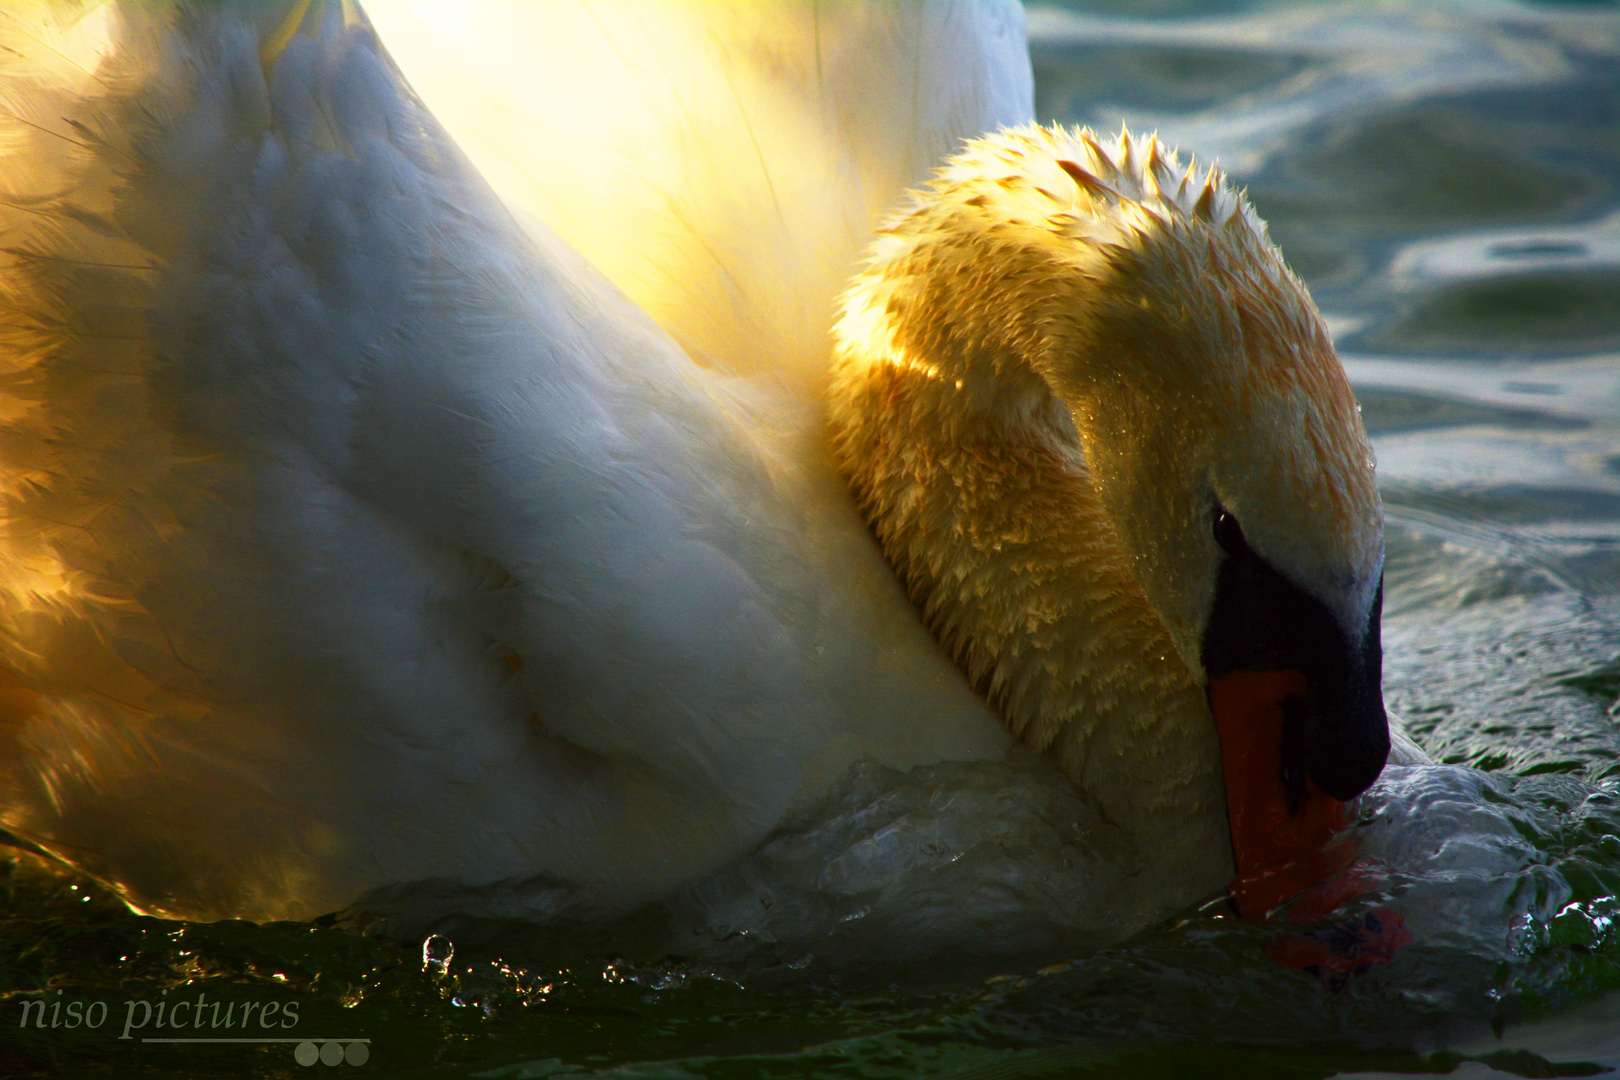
x: 723, y: 162
x: 304, y: 438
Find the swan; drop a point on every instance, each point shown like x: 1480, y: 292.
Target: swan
x: 367, y: 524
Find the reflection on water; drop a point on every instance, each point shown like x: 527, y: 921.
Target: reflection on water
x: 1445, y: 176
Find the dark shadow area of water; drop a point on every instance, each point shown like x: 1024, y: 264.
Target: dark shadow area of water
x: 1081, y: 82
x: 1529, y: 315
x: 1385, y: 411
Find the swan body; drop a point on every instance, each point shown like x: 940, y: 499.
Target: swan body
x: 723, y: 163
x: 361, y: 530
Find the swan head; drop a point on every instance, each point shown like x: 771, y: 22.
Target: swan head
x: 1098, y: 311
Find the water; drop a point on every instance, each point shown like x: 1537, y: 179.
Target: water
x: 1445, y: 178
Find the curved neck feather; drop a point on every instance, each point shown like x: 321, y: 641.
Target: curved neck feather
x: 974, y: 479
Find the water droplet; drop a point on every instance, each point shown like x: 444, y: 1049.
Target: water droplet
x: 437, y: 952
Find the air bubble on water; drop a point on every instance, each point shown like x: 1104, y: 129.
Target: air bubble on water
x: 437, y: 952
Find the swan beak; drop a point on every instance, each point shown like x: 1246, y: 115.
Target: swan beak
x: 1281, y: 838
x: 1300, y: 716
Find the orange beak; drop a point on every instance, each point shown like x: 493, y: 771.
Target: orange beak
x: 1280, y: 848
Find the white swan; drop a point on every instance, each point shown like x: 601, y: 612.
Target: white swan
x: 357, y: 535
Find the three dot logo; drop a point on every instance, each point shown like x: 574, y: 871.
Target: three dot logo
x: 333, y: 1052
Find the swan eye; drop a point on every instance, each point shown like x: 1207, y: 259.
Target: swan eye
x: 1229, y: 534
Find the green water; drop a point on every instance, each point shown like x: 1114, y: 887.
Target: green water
x: 1445, y: 176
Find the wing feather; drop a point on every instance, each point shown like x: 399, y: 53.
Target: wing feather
x: 722, y: 162
x: 308, y: 445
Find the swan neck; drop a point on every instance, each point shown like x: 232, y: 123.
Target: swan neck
x: 973, y: 476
